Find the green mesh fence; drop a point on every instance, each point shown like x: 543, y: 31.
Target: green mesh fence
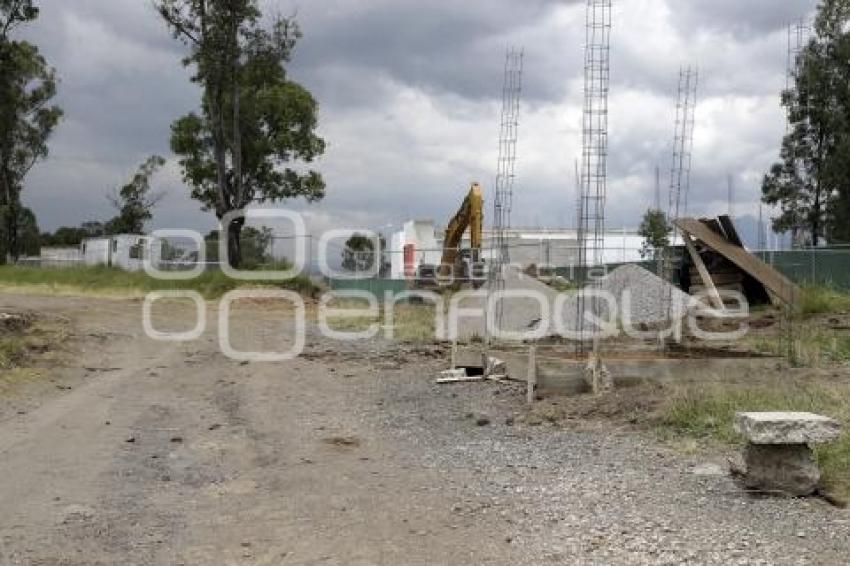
x: 824, y: 266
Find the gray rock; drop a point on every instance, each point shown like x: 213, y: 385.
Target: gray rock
x: 709, y: 470
x: 788, y: 469
x: 786, y: 428
x: 482, y: 420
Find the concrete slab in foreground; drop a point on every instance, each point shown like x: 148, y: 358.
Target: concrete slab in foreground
x: 786, y: 428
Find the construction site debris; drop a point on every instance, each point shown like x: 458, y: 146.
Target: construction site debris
x: 495, y: 368
x: 754, y: 267
x: 458, y: 375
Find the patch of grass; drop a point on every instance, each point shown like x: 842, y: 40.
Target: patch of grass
x: 563, y: 285
x: 113, y: 281
x: 23, y: 350
x: 12, y: 350
x: 707, y: 412
x: 411, y: 322
x: 815, y: 299
x: 821, y: 347
x: 10, y: 379
x: 815, y: 345
x: 351, y: 322
x: 415, y: 322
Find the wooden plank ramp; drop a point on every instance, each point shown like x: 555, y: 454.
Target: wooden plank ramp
x: 774, y: 281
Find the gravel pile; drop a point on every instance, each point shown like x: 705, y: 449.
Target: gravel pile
x: 639, y: 295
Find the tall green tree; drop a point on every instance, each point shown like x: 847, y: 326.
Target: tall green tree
x: 254, y: 121
x: 135, y: 201
x: 27, y: 236
x: 358, y: 255
x: 655, y: 231
x: 813, y: 172
x: 27, y: 86
x: 67, y: 236
x: 837, y: 13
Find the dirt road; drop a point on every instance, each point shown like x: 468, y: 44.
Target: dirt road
x: 144, y: 452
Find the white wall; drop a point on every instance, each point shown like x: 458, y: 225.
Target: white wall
x: 96, y: 251
x: 117, y: 251
x: 527, y: 246
x: 61, y: 254
x: 423, y: 233
x: 420, y: 233
x: 397, y: 255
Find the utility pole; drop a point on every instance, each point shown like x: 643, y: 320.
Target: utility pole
x: 730, y: 184
x: 657, y: 188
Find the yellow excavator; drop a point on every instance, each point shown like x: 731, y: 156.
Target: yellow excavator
x: 458, y: 265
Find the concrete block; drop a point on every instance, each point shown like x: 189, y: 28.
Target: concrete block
x: 786, y: 428
x: 782, y: 469
x: 453, y: 373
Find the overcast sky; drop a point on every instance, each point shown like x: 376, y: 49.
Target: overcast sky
x: 410, y: 93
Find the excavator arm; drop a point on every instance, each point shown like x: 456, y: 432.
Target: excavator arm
x: 470, y: 215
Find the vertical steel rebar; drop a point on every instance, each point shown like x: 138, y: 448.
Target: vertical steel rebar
x: 505, y: 177
x: 680, y: 170
x: 594, y: 158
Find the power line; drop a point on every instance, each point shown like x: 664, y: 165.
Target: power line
x: 730, y: 186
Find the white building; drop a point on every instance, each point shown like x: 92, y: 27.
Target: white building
x: 414, y: 245
x: 420, y: 243
x: 56, y: 257
x: 127, y: 251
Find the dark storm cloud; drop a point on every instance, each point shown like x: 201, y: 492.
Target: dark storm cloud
x: 456, y: 46
x: 441, y: 45
x: 121, y: 85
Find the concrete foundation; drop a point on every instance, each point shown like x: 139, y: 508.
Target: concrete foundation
x: 557, y: 372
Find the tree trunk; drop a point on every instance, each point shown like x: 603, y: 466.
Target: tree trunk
x: 216, y: 118
x: 816, y: 216
x: 12, y: 214
x: 10, y: 219
x: 237, y: 118
x: 234, y: 243
x: 214, y: 93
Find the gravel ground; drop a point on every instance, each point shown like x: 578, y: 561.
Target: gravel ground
x: 173, y: 454
x: 600, y: 495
